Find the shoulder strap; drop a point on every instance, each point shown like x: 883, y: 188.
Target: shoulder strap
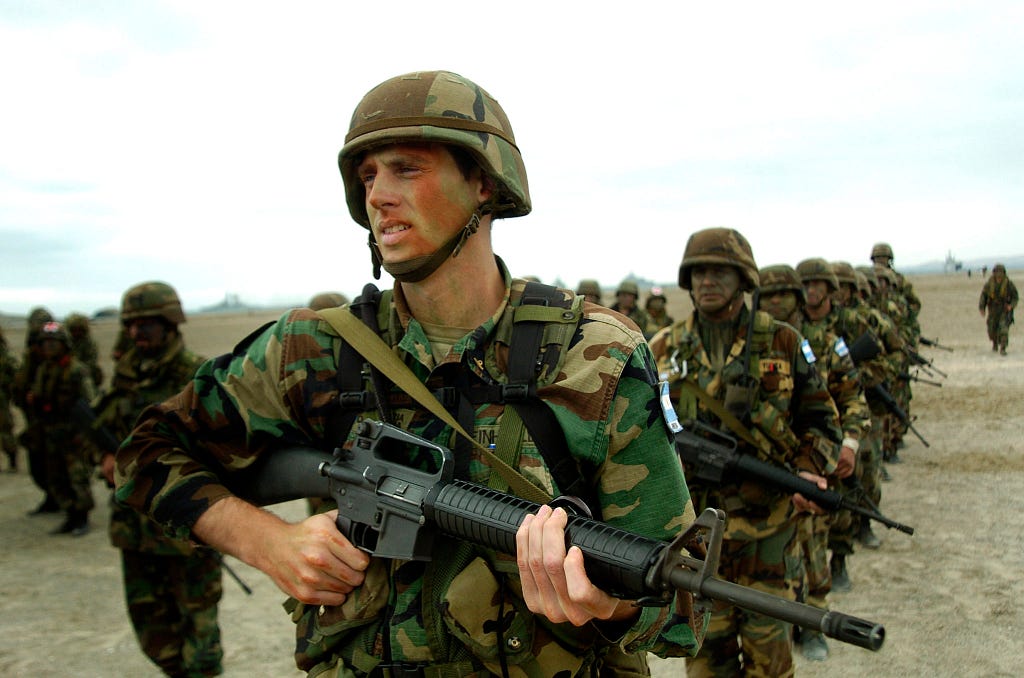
x: 378, y: 353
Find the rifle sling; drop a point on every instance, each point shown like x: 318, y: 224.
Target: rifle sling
x: 727, y: 417
x: 380, y: 355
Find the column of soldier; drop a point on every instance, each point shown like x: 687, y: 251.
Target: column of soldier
x: 858, y: 332
x: 72, y: 427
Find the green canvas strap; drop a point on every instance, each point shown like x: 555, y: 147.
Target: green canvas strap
x: 727, y: 417
x: 378, y: 353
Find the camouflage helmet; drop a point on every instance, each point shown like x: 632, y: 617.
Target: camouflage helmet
x: 152, y: 299
x: 628, y: 287
x: 881, y: 249
x: 76, y: 321
x: 37, y: 317
x: 327, y: 300
x: 656, y: 293
x: 999, y: 268
x: 781, y: 278
x: 817, y: 268
x: 719, y: 246
x: 863, y: 286
x: 869, y: 273
x: 589, y: 286
x: 844, y: 273
x: 886, y: 273
x: 54, y: 330
x: 438, y: 107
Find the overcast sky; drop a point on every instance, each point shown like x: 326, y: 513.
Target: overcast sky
x: 196, y: 142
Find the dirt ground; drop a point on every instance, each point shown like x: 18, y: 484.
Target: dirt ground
x: 947, y: 595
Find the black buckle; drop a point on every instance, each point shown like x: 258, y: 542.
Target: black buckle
x: 397, y: 670
x: 515, y: 393
x: 354, y: 400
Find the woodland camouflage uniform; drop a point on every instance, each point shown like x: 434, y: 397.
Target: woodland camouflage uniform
x: 8, y: 368
x: 636, y: 314
x: 280, y: 387
x: 83, y: 345
x: 790, y: 416
x: 31, y: 436
x: 171, y: 587
x: 998, y: 300
x: 47, y: 397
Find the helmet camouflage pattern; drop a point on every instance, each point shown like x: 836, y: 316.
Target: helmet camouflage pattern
x: 76, y: 321
x: 780, y: 278
x: 863, y: 286
x: 628, y: 287
x: 881, y: 249
x: 436, y: 107
x: 844, y: 273
x: 37, y: 316
x: 869, y: 273
x: 327, y: 300
x: 722, y: 247
x: 152, y: 299
x: 54, y: 330
x: 817, y: 268
x: 589, y: 286
x: 886, y: 273
x: 999, y: 268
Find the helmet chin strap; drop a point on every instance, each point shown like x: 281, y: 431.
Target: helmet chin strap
x: 418, y: 268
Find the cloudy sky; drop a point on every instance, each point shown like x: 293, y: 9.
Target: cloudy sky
x: 196, y: 141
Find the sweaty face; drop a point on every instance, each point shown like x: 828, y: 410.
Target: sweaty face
x: 714, y: 287
x: 417, y: 198
x: 780, y: 305
x: 816, y: 291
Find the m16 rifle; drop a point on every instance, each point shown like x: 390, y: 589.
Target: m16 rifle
x: 864, y: 348
x: 711, y: 456
x: 391, y: 510
x: 934, y: 343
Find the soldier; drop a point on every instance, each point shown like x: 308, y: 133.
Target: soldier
x: 8, y: 368
x: 626, y: 297
x: 57, y: 383
x: 590, y: 289
x: 31, y: 436
x: 998, y: 299
x: 657, y: 314
x: 84, y: 346
x: 881, y: 255
x: 429, y: 162
x: 742, y: 371
x: 171, y: 586
x: 782, y: 294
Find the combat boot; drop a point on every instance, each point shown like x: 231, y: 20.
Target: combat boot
x: 883, y: 473
x: 840, y: 577
x: 867, y: 537
x: 49, y: 505
x: 814, y: 646
x: 995, y: 346
x: 1002, y: 349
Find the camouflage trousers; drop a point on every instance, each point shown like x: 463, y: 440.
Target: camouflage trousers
x: 998, y: 328
x: 743, y: 643
x: 816, y: 582
x: 172, y: 603
x: 68, y: 474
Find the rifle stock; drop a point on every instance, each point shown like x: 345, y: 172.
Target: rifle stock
x: 391, y: 510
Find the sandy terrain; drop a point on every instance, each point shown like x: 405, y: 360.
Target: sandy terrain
x: 948, y: 595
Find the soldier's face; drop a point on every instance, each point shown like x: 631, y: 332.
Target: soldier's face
x: 780, y: 305
x: 148, y: 334
x: 51, y: 349
x: 627, y: 300
x: 714, y: 288
x: 817, y: 291
x: 417, y: 198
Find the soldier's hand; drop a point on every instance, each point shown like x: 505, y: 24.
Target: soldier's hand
x: 847, y: 462
x: 804, y: 504
x: 314, y: 562
x: 555, y: 582
x: 107, y: 468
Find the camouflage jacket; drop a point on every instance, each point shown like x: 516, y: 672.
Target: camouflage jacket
x: 995, y: 297
x: 88, y: 354
x: 48, y: 391
x: 840, y: 375
x: 279, y: 387
x: 792, y: 416
x: 138, y: 382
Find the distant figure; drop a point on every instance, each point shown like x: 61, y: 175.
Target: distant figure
x: 657, y: 313
x: 8, y: 368
x: 590, y: 289
x: 625, y: 303
x: 84, y: 346
x: 984, y: 271
x: 998, y: 298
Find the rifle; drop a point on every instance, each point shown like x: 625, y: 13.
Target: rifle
x: 717, y: 462
x: 906, y: 376
x: 934, y: 343
x: 890, y: 403
x: 391, y: 510
x: 919, y: 360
